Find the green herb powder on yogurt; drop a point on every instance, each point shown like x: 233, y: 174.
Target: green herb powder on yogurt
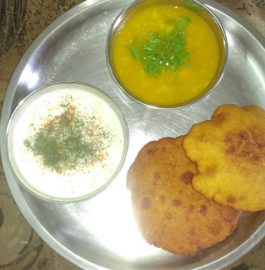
x: 70, y: 140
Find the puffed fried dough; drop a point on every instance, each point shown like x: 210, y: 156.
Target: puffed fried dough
x: 229, y: 150
x: 170, y: 213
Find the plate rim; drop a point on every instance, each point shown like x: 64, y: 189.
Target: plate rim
x: 17, y: 195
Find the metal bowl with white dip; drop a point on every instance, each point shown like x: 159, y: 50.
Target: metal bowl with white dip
x: 66, y: 141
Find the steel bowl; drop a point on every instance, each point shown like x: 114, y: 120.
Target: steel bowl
x: 78, y: 184
x: 195, y: 6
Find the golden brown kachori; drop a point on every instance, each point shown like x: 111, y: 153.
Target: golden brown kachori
x: 229, y: 150
x: 170, y: 213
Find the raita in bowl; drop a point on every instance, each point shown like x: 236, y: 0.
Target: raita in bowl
x: 66, y: 141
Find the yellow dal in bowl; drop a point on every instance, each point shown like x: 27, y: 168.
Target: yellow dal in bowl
x: 167, y: 88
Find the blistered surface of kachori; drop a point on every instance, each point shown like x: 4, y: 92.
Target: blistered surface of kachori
x: 170, y: 213
x: 229, y: 150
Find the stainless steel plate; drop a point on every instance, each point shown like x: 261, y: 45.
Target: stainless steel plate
x: 101, y: 233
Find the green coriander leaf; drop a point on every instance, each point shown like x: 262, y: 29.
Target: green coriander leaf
x: 164, y: 52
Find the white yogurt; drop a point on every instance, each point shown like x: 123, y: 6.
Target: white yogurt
x: 74, y: 184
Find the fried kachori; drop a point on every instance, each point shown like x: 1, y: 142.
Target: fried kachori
x: 229, y: 150
x: 170, y: 213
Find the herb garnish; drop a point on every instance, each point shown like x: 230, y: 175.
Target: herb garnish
x: 70, y: 140
x: 163, y: 52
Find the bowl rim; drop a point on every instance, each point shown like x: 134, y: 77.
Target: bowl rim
x: 119, y: 19
x: 29, y: 99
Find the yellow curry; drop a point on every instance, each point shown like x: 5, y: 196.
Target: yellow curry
x: 165, y: 55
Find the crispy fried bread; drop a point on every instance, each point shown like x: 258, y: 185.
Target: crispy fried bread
x: 170, y: 213
x: 229, y: 150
